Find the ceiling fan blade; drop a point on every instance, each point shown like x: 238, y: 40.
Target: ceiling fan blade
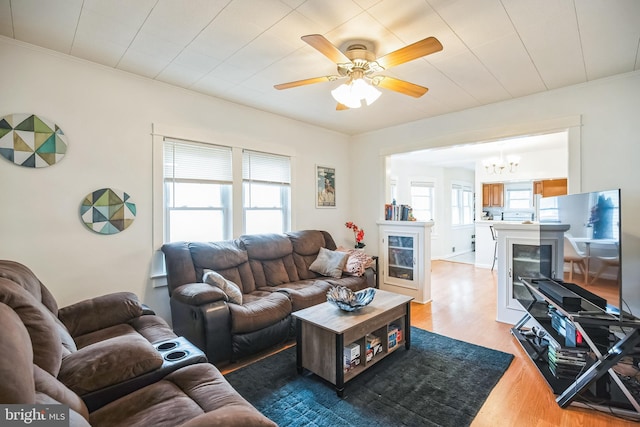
x: 401, y: 86
x: 409, y: 53
x: 305, y: 82
x: 341, y: 107
x: 326, y: 48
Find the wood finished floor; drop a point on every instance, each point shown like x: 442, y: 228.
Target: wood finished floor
x: 464, y: 307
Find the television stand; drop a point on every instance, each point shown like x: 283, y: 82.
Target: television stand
x: 577, y: 352
x: 600, y: 368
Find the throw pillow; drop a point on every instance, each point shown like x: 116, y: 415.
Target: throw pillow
x: 357, y: 262
x: 329, y: 263
x: 231, y: 290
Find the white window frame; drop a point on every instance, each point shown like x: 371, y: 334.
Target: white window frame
x: 393, y: 189
x: 280, y: 178
x: 221, y: 159
x: 430, y: 197
x: 511, y: 189
x: 461, y: 204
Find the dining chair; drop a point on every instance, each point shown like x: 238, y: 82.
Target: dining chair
x: 574, y: 256
x: 605, y: 263
x: 495, y: 246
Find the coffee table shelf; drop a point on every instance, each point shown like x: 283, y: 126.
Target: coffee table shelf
x: 382, y: 333
x: 324, y: 330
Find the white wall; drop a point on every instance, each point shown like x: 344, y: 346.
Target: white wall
x: 107, y: 117
x: 609, y: 148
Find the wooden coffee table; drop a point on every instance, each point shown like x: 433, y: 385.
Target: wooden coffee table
x: 324, y: 330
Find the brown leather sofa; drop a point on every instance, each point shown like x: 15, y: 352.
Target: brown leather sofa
x: 272, y: 272
x: 195, y: 395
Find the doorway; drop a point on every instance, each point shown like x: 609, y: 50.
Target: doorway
x: 445, y: 169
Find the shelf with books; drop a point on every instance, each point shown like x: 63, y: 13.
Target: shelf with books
x: 373, y: 347
x: 398, y: 212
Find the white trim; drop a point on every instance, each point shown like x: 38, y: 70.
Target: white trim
x: 488, y: 134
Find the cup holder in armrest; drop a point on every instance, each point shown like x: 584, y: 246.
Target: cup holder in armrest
x: 178, y: 352
x: 176, y: 355
x: 168, y: 345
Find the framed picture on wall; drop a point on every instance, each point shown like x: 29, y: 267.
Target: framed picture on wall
x: 325, y: 187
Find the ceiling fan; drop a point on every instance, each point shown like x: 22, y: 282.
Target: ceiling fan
x: 359, y: 65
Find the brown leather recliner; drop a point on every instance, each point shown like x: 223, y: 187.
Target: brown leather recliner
x: 107, y: 345
x: 196, y: 395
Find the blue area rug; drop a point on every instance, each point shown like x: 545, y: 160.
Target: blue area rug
x: 438, y: 382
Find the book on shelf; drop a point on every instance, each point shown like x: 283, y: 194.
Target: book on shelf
x: 373, y: 346
x: 394, y: 335
x: 351, y: 356
x: 397, y: 212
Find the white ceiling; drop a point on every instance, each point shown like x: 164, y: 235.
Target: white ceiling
x: 238, y: 49
x: 466, y: 156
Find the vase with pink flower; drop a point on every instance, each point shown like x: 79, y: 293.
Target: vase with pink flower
x: 358, y: 234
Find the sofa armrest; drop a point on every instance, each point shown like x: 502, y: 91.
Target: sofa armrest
x: 198, y: 294
x: 108, y: 362
x: 100, y: 312
x: 147, y: 310
x: 207, y: 326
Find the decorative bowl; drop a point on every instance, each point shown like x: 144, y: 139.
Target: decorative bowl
x: 348, y: 300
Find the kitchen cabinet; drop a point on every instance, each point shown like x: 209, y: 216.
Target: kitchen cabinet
x: 550, y: 187
x: 493, y: 195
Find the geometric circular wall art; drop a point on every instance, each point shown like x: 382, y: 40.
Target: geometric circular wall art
x: 31, y: 141
x: 107, y: 211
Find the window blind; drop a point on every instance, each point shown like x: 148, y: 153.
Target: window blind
x: 462, y: 187
x: 186, y: 160
x: 265, y: 167
x: 422, y: 184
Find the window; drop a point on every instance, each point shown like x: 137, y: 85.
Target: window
x: 266, y: 192
x: 518, y: 198
x: 393, y: 189
x: 197, y: 191
x: 461, y: 204
x: 422, y: 200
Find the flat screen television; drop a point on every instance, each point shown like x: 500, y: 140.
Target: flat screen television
x: 592, y: 242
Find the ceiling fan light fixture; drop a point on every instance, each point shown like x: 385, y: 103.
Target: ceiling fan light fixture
x: 353, y: 92
x: 359, y: 63
x: 343, y: 95
x: 371, y: 94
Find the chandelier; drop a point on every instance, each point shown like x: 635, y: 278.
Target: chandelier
x: 497, y: 165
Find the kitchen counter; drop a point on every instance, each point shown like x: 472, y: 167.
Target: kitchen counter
x: 485, y: 245
x: 489, y: 222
